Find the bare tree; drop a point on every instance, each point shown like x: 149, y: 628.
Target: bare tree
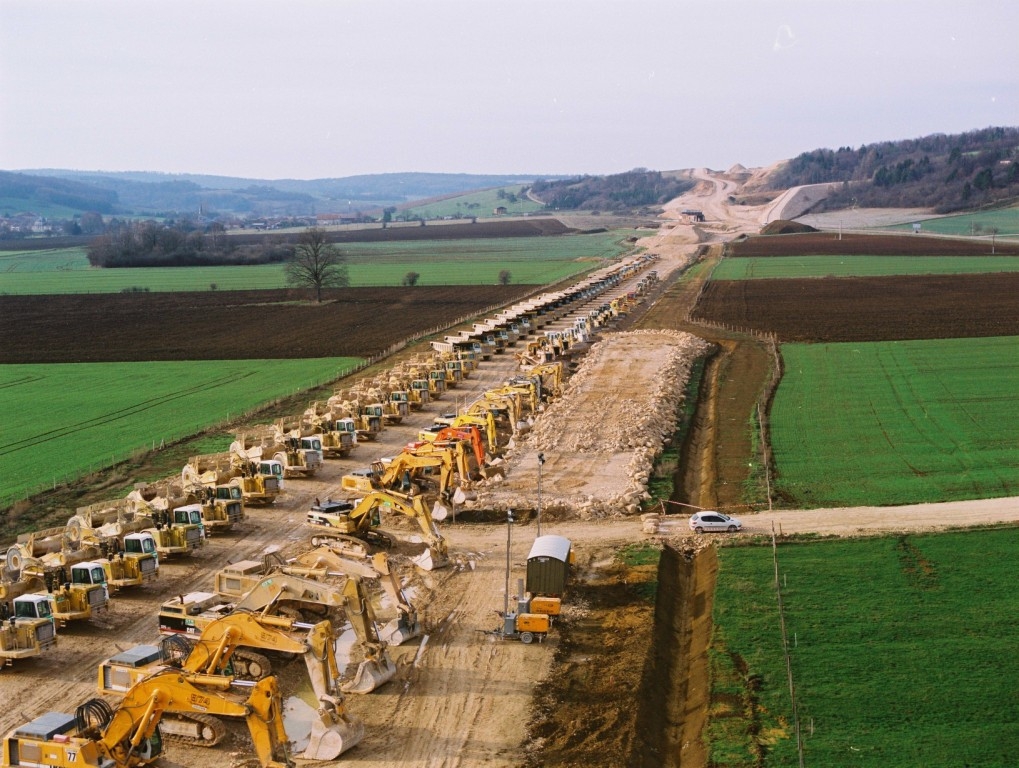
x: 504, y: 277
x: 317, y: 264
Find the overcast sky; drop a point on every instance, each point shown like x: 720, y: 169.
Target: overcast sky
x: 326, y: 88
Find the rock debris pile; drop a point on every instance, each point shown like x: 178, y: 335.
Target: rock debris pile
x: 601, y: 438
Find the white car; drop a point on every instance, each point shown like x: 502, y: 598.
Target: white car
x: 714, y: 521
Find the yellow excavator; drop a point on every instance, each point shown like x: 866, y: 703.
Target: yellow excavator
x: 431, y: 468
x: 250, y: 625
x: 376, y: 666
x: 129, y: 735
x: 326, y: 564
x: 213, y: 654
x: 358, y: 521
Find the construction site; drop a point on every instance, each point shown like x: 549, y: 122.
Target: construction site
x: 443, y: 564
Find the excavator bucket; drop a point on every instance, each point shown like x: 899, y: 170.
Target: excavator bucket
x: 332, y: 734
x: 439, y: 511
x: 398, y: 632
x: 371, y: 673
x: 430, y: 559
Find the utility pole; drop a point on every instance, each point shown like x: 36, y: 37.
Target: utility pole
x: 541, y: 463
x: 509, y: 542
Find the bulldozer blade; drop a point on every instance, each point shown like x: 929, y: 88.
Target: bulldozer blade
x: 371, y: 673
x: 332, y: 735
x: 429, y: 560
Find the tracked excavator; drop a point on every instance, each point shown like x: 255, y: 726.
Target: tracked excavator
x: 251, y: 623
x: 273, y: 590
x: 359, y: 521
x: 129, y: 735
x: 327, y: 565
x: 419, y: 468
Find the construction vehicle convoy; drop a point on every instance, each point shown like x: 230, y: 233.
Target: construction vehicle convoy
x: 129, y: 535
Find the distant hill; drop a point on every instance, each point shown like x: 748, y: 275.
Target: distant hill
x: 148, y: 193
x: 634, y: 189
x: 21, y: 192
x: 942, y: 172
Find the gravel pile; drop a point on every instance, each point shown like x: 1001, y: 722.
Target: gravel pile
x: 614, y: 417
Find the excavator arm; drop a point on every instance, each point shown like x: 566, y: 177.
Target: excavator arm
x: 220, y: 640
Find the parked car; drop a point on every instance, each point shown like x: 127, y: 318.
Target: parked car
x: 714, y: 521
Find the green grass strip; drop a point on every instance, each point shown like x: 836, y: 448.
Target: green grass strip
x: 63, y: 420
x: 899, y: 651
x: 530, y: 261
x: 897, y: 422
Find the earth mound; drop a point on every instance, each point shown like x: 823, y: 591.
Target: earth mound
x: 784, y: 227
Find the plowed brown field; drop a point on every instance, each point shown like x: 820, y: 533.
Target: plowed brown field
x: 230, y: 325
x: 867, y: 308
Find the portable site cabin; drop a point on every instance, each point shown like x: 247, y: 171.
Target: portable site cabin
x: 548, y: 564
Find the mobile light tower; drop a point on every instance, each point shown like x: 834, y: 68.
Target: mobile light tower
x: 509, y: 620
x: 541, y: 463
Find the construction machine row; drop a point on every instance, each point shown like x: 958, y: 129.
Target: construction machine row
x: 219, y: 645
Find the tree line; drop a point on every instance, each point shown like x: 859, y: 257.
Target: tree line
x: 943, y: 172
x: 150, y: 244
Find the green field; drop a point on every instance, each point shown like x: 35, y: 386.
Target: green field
x: 1005, y: 220
x: 61, y: 421
x: 530, y: 261
x: 481, y: 204
x: 899, y: 648
x: 897, y: 422
x: 859, y: 266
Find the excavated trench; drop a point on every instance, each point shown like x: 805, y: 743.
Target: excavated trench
x: 674, y: 692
